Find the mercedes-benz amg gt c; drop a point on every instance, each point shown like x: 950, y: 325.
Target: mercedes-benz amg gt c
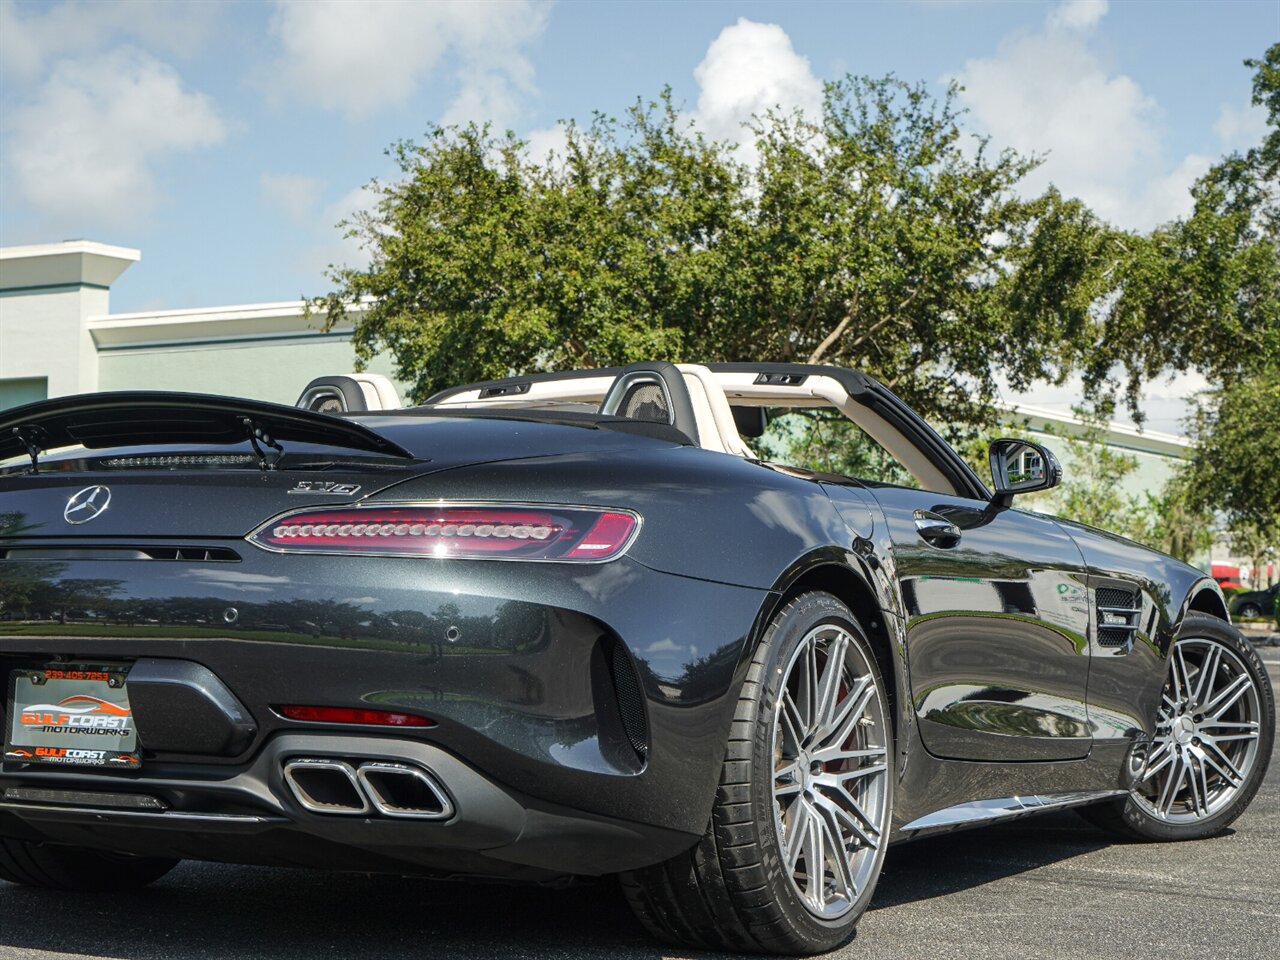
x: 608, y: 622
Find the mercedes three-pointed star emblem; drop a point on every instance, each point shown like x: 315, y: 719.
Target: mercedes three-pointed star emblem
x: 86, y: 505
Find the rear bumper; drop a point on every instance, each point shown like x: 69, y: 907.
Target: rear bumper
x: 513, y: 661
x: 250, y: 815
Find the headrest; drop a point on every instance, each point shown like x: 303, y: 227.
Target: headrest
x: 750, y: 421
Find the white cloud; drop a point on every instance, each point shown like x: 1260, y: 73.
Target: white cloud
x: 1240, y: 127
x: 1047, y: 92
x: 34, y: 37
x: 84, y: 145
x: 334, y: 248
x: 297, y: 196
x: 360, y: 58
x: 1166, y: 196
x: 1078, y: 14
x: 751, y: 68
x: 544, y: 141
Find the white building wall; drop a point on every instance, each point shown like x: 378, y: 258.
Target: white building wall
x: 48, y: 293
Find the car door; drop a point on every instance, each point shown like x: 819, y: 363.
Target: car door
x: 996, y: 603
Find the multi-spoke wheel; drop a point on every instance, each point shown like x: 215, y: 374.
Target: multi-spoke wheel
x: 800, y: 822
x: 1212, y: 739
x: 830, y: 800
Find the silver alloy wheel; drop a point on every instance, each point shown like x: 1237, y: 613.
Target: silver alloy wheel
x: 830, y: 771
x: 1206, y: 738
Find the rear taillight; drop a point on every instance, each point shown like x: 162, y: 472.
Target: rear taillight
x: 455, y: 532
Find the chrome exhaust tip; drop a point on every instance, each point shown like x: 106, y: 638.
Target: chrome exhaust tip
x: 326, y: 786
x: 401, y: 790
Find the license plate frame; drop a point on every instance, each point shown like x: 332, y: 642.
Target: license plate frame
x: 75, y: 715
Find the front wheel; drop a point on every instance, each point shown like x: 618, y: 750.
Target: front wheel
x: 1249, y: 610
x: 1212, y: 743
x: 800, y: 821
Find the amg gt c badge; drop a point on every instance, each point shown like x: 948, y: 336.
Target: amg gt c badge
x: 87, y: 505
x: 320, y: 486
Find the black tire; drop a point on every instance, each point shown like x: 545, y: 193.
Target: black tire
x: 1249, y: 610
x: 76, y: 868
x: 732, y: 891
x: 1127, y: 818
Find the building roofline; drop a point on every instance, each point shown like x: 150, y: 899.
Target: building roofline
x: 70, y: 247
x: 203, y: 325
x: 1118, y: 434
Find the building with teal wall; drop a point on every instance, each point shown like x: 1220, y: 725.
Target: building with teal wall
x: 58, y: 335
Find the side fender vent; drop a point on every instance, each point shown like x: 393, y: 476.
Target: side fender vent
x: 1117, y: 616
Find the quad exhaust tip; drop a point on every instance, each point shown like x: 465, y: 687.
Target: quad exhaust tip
x: 400, y: 790
x: 387, y: 787
x: 326, y: 786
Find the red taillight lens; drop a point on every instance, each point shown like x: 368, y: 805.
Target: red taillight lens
x: 455, y: 532
x: 375, y: 718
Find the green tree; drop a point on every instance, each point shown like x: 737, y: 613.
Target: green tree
x: 1174, y: 523
x: 876, y: 236
x: 1237, y: 425
x: 1199, y: 293
x: 1235, y: 468
x: 879, y: 235
x: 485, y: 262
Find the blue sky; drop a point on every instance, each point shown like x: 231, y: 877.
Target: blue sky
x: 225, y: 139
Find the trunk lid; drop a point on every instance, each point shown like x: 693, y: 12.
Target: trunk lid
x: 180, y: 466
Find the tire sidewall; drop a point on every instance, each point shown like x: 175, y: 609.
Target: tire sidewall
x: 794, y: 624
x: 1198, y: 626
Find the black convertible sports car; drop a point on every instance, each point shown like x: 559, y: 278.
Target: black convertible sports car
x: 594, y: 623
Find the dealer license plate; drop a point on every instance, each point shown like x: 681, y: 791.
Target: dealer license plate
x: 74, y: 715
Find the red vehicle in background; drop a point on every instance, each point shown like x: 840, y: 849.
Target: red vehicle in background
x: 1226, y: 575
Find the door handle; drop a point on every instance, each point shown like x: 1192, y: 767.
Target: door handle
x: 936, y: 530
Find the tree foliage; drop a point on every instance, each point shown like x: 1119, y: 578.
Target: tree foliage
x: 875, y: 236
x: 1235, y: 467
x: 880, y: 235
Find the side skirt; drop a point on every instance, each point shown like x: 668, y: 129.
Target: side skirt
x: 979, y: 813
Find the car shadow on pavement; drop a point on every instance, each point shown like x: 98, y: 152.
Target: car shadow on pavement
x: 946, y: 863
x: 249, y: 913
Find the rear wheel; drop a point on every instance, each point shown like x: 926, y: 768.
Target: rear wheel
x: 1212, y: 742
x: 1249, y: 610
x: 76, y: 868
x: 800, y: 821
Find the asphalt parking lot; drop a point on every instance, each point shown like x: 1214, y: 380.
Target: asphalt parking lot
x: 1051, y: 887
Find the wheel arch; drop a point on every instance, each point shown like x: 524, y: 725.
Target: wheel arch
x: 828, y: 574
x: 1205, y: 597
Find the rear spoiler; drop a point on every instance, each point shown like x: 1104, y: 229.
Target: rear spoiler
x: 102, y: 420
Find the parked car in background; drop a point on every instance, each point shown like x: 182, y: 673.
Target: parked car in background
x: 1255, y: 603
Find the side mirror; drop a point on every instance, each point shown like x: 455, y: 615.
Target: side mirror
x: 1020, y: 466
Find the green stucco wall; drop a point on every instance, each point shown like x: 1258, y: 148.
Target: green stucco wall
x: 19, y: 390
x: 1150, y: 475
x: 275, y: 370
